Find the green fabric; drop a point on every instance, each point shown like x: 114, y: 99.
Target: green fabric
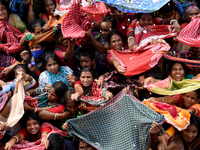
x: 176, y: 87
x: 16, y: 22
x: 29, y: 37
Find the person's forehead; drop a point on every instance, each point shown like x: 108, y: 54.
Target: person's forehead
x: 106, y: 24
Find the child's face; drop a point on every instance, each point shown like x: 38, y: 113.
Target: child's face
x: 146, y: 20
x: 52, y: 96
x: 190, y: 99
x: 62, y: 41
x: 86, y: 78
x: 86, y: 61
x: 49, y: 7
x: 72, y: 107
x: 32, y: 126
x: 19, y: 70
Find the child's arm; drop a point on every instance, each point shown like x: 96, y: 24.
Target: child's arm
x: 68, y: 54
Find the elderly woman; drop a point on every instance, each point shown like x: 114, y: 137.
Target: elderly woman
x: 189, y: 12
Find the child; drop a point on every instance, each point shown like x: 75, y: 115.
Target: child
x: 87, y: 59
x: 64, y: 50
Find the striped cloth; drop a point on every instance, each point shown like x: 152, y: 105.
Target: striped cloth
x: 122, y: 123
x: 190, y: 35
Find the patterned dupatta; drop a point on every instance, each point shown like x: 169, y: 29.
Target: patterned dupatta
x: 12, y: 37
x: 145, y: 55
x: 172, y: 87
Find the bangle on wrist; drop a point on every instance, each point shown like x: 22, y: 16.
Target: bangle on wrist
x: 30, y: 12
x: 116, y: 64
x: 162, y: 100
x: 171, y: 22
x: 28, y: 93
x: 131, y: 37
x: 17, y: 139
x: 79, y: 92
x: 35, y: 109
x: 55, y: 116
x: 44, y: 135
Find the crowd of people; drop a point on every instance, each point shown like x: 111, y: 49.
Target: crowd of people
x: 62, y: 59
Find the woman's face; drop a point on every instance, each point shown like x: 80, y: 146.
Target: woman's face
x: 190, y: 133
x: 193, y: 12
x: 86, y: 78
x: 19, y: 70
x: 38, y: 29
x: 52, y: 96
x: 37, y: 50
x: 52, y: 66
x: 32, y: 126
x: 146, y: 20
x: 3, y: 13
x: 116, y: 42
x: 177, y: 72
x: 49, y: 7
x: 190, y: 99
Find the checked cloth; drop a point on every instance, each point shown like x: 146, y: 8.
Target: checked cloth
x: 122, y: 123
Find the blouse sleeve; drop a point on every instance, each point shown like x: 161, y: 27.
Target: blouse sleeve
x: 24, y: 133
x: 43, y: 79
x: 58, y: 109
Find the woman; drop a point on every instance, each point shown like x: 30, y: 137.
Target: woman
x: 147, y: 47
x: 54, y: 72
x: 88, y: 92
x: 189, y: 12
x: 186, y: 139
x: 177, y: 82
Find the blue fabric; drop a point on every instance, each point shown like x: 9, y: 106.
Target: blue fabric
x: 139, y: 6
x: 53, y: 78
x: 69, y: 145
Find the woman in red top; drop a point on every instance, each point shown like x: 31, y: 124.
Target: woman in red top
x: 32, y: 132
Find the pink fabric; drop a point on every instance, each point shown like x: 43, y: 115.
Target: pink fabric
x: 190, y: 35
x: 26, y: 145
x: 3, y: 99
x: 97, y: 11
x: 11, y: 36
x: 75, y: 25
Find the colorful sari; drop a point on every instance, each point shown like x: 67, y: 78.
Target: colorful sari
x: 178, y: 117
x: 172, y: 87
x: 145, y: 55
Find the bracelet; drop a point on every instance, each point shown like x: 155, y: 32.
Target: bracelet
x: 17, y: 139
x: 172, y: 21
x: 38, y: 73
x: 35, y: 109
x: 30, y: 12
x: 162, y: 100
x: 55, y: 116
x: 79, y: 92
x: 28, y: 93
x: 131, y: 37
x: 116, y: 64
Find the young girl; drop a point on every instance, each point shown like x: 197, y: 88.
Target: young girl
x: 49, y: 8
x: 88, y: 92
x: 32, y: 131
x: 54, y: 72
